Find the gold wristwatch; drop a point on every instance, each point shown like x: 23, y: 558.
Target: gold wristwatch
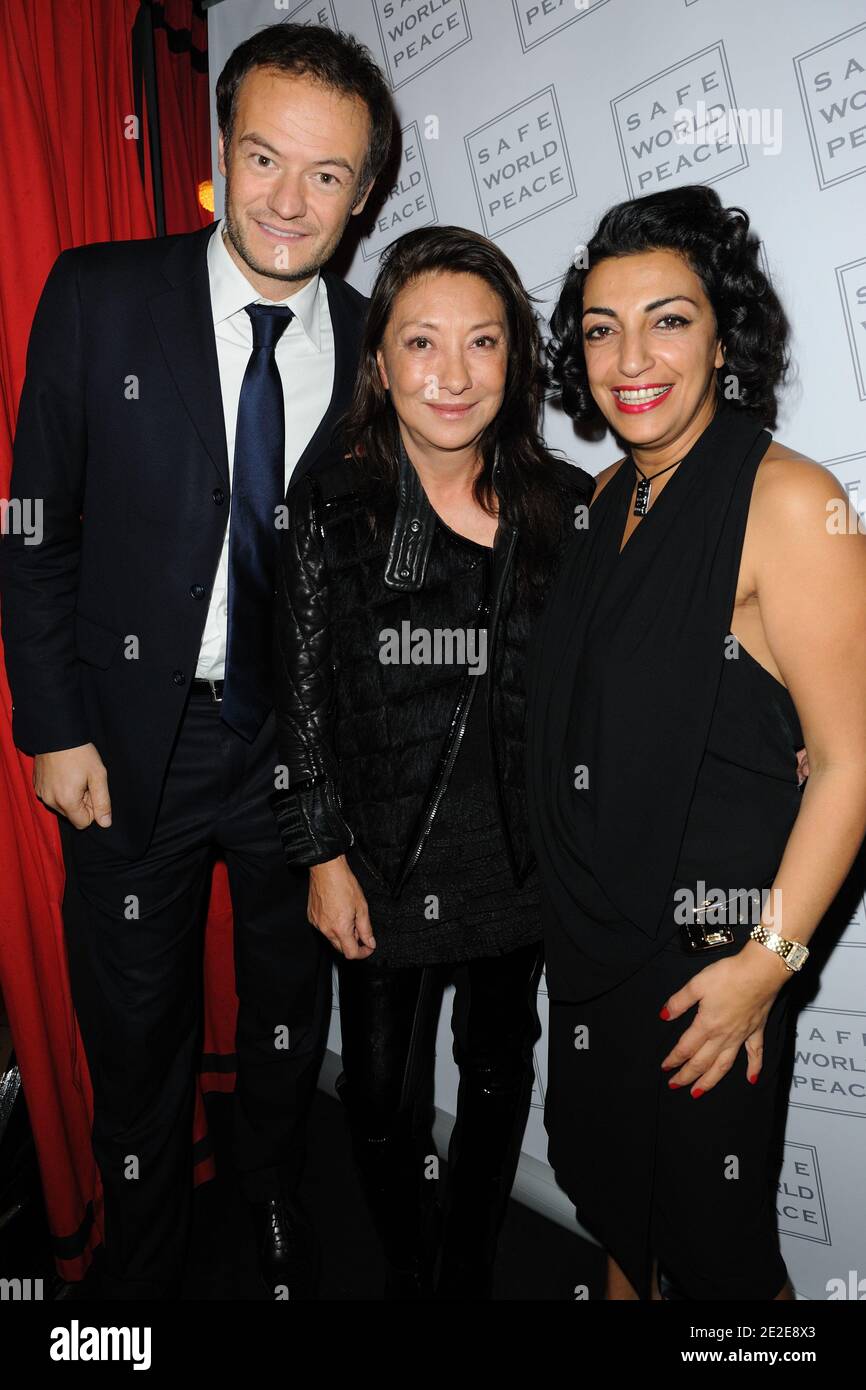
x: 793, y: 953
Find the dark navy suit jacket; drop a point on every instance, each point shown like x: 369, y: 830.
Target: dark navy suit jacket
x: 121, y: 439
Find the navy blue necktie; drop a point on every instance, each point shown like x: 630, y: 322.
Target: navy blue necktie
x: 258, y: 488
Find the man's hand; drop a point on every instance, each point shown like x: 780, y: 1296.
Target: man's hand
x: 338, y: 908
x: 74, y: 782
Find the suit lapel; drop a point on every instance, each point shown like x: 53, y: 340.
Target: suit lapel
x: 183, y: 318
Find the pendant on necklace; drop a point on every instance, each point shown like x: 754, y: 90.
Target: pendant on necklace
x: 642, y: 497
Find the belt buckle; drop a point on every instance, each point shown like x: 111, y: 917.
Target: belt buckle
x: 215, y: 699
x: 698, y: 936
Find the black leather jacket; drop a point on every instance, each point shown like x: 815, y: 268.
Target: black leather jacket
x: 368, y: 747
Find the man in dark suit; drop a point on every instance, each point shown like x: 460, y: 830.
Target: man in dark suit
x: 174, y: 389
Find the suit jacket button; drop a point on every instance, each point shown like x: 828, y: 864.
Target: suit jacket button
x: 196, y: 590
x: 218, y: 496
x: 178, y: 677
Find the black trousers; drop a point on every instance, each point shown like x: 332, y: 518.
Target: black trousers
x: 388, y: 1018
x: 134, y: 933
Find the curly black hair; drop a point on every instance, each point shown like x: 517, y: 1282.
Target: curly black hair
x: 721, y: 250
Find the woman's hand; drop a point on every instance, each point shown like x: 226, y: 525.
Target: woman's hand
x: 734, y: 996
x: 338, y: 909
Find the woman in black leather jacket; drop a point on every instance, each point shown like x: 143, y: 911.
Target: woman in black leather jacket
x: 413, y: 566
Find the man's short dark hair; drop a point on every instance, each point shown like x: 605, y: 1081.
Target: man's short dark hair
x: 336, y: 60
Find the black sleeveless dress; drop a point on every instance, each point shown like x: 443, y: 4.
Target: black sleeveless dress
x: 460, y: 902
x: 691, y: 750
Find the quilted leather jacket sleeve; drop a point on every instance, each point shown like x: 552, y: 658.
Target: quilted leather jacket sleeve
x: 312, y: 828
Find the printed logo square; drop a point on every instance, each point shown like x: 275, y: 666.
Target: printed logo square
x: 313, y: 12
x: 538, y: 20
x: 830, y: 1061
x: 800, y: 1207
x: 416, y: 36
x: 649, y: 130
x: 520, y: 164
x: 832, y: 82
x: 410, y: 202
x: 851, y: 279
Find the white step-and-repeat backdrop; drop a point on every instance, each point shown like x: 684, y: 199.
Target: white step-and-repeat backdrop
x: 525, y: 119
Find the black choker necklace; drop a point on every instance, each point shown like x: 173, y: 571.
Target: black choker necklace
x: 644, y: 488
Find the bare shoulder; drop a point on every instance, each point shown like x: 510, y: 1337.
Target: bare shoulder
x: 792, y: 490
x: 604, y: 477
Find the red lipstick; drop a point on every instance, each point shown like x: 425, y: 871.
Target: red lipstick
x: 639, y: 402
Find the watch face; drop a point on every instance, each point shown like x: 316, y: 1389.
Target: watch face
x: 796, y: 956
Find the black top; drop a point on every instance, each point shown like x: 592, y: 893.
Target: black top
x: 747, y: 793
x: 479, y: 910
x: 688, y: 757
x: 472, y: 764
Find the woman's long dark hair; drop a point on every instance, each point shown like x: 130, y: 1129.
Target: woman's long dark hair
x: 529, y: 472
x: 721, y: 250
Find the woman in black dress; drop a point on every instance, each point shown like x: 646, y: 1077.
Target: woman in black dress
x: 413, y: 567
x: 708, y: 620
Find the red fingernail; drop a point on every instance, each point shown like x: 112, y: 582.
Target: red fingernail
x: 673, y: 1085
x: 664, y: 1012
x: 752, y: 1080
x: 697, y: 1092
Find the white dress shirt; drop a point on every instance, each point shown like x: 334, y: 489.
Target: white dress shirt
x: 305, y: 359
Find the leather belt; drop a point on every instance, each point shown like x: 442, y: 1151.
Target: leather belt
x: 213, y: 689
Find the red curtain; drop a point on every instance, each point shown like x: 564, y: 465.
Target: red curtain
x: 67, y: 127
x: 180, y: 43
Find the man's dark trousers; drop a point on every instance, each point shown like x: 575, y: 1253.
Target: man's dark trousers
x: 134, y: 932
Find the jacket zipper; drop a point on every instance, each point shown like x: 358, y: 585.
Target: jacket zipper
x: 491, y: 636
x: 371, y: 868
x: 458, y: 725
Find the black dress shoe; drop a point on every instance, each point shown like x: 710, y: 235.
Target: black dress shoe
x: 288, y: 1251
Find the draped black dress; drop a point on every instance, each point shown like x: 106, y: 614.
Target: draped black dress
x: 687, y: 747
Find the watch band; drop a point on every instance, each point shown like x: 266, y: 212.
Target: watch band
x: 793, y: 953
